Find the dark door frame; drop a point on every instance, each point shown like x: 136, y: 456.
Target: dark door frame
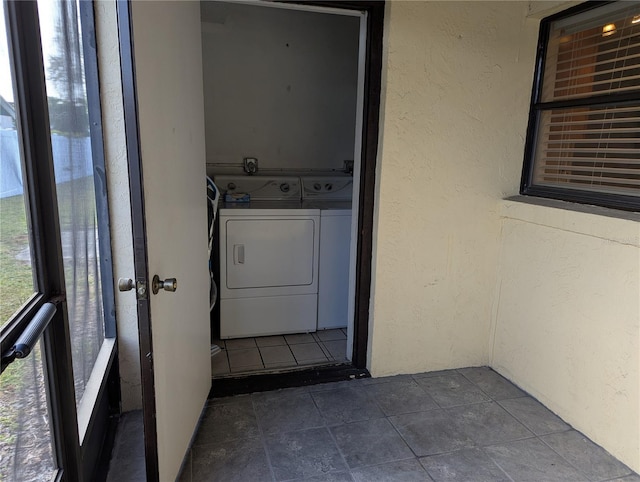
x: 139, y: 231
x: 371, y: 110
x: 370, y: 131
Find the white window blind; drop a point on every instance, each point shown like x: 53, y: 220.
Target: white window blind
x: 588, y: 123
x: 590, y: 148
x: 594, y: 56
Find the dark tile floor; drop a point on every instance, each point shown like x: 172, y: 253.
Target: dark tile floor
x: 127, y: 456
x: 458, y: 425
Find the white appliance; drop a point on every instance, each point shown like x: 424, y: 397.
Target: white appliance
x: 333, y: 288
x: 268, y: 258
x: 332, y: 195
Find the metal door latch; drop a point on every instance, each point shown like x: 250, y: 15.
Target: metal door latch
x: 127, y: 284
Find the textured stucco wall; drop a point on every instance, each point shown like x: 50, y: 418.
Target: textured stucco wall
x: 119, y: 201
x: 544, y: 8
x: 567, y: 320
x: 549, y: 297
x: 457, y: 83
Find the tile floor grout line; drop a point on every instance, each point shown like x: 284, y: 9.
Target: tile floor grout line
x: 614, y: 479
x: 263, y: 439
x: 566, y: 460
x: 226, y: 353
x: 467, y: 404
x: 404, y: 459
x: 563, y: 458
x: 325, y: 350
x: 504, y: 442
x: 527, y: 426
x: 335, y: 441
x: 515, y: 418
x: 260, y: 355
x: 475, y: 442
x: 406, y: 442
x: 491, y: 370
x: 495, y: 462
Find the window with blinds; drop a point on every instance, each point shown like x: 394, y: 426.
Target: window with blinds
x: 583, y: 142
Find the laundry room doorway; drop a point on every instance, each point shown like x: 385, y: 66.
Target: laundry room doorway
x: 161, y: 61
x: 291, y: 103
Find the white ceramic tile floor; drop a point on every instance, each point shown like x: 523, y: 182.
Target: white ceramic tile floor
x: 271, y: 340
x: 299, y: 338
x: 308, y: 352
x: 276, y: 354
x: 244, y: 358
x: 243, y: 355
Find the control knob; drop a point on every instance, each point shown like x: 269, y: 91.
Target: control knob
x: 317, y: 186
x: 284, y: 187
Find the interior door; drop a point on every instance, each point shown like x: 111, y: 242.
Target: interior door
x: 162, y: 74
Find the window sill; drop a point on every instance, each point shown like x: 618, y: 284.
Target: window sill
x: 95, y: 385
x: 621, y: 227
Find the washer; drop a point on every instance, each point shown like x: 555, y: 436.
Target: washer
x: 332, y: 195
x: 268, y: 258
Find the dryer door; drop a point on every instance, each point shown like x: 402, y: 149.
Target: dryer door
x: 271, y: 256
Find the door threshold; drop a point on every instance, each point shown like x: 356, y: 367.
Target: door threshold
x: 297, y: 377
x: 280, y: 369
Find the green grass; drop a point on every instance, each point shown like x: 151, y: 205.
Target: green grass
x: 16, y: 279
x: 76, y: 199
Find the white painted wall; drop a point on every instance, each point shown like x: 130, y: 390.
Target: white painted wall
x: 544, y: 8
x: 115, y: 149
x: 457, y: 84
x: 168, y: 62
x: 280, y: 85
x: 567, y: 317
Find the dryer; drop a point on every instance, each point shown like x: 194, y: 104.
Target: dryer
x: 268, y: 258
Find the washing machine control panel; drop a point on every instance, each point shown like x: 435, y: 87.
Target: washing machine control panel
x: 327, y: 188
x: 262, y: 188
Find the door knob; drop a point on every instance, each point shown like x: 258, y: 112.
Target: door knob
x: 170, y: 284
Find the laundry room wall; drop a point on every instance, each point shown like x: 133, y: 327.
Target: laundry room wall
x: 280, y: 86
x: 457, y: 84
